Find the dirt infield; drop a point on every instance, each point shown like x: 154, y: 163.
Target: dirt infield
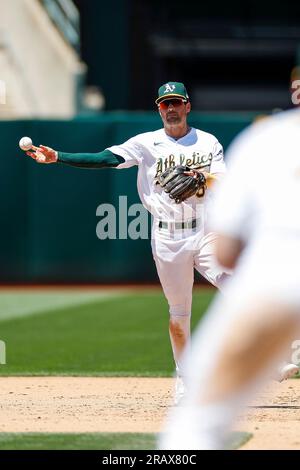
x: 88, y: 404
x: 274, y: 417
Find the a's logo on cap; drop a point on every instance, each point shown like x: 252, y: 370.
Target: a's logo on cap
x: 169, y: 88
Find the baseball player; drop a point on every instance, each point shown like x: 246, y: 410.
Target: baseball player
x: 181, y: 241
x: 250, y: 327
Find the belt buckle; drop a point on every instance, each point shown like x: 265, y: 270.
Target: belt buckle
x: 190, y: 224
x: 186, y: 225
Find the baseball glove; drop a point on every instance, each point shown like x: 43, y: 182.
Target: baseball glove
x: 180, y: 186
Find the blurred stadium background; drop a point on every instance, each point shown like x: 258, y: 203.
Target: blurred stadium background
x: 83, y: 75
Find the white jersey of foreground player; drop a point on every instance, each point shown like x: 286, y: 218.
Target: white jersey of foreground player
x: 256, y: 203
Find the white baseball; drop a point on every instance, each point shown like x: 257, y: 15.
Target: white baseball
x: 25, y: 143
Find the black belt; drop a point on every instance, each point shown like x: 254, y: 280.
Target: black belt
x: 179, y: 225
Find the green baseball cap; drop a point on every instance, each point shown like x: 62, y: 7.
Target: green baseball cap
x: 172, y: 90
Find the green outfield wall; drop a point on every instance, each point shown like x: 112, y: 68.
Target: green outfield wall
x: 48, y: 212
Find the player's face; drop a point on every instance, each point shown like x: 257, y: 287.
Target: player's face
x: 174, y: 111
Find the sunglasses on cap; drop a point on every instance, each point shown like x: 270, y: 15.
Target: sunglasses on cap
x: 175, y: 102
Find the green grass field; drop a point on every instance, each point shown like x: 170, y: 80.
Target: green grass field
x: 88, y: 333
x: 85, y: 334
x: 87, y: 441
x: 92, y: 441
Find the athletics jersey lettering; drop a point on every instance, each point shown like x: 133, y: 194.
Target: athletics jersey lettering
x: 197, y: 161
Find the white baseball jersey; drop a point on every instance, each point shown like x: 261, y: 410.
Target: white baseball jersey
x: 154, y: 152
x: 258, y: 203
x: 261, y: 192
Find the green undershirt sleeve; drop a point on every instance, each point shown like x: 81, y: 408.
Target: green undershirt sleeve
x: 104, y: 159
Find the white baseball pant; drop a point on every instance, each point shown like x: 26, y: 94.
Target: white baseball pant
x: 176, y: 260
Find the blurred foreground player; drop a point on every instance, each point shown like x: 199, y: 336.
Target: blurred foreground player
x: 249, y: 327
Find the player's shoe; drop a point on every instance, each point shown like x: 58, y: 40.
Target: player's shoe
x: 183, y: 431
x: 287, y: 371
x: 179, y: 391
